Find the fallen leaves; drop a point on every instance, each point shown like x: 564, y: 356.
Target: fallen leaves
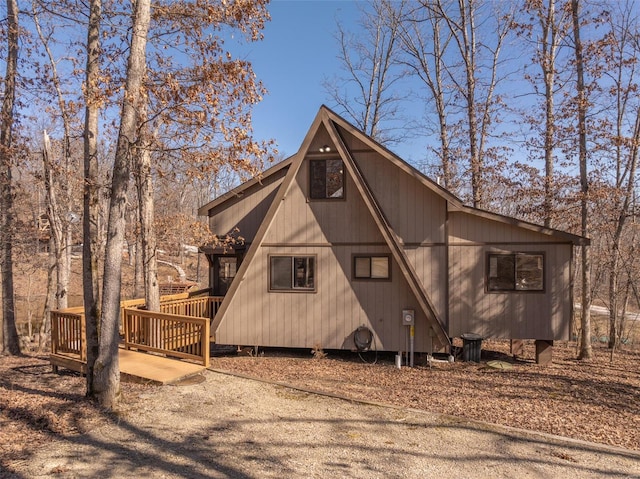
x: 596, y: 401
x: 36, y: 404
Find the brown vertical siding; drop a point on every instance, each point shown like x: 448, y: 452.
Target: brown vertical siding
x: 327, y: 317
x: 300, y: 221
x: 429, y: 263
x: 525, y: 315
x: 416, y: 213
x: 511, y: 314
x: 245, y: 212
x: 447, y: 250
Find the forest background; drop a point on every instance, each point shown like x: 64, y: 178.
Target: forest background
x: 119, y: 121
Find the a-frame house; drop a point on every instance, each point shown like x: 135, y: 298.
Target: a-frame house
x: 342, y: 242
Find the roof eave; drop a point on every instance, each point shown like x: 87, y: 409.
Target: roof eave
x: 240, y: 189
x: 563, y: 235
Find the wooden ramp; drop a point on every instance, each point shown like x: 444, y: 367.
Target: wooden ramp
x: 144, y: 367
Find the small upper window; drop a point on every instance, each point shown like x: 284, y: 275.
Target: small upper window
x: 371, y: 267
x: 292, y: 273
x: 326, y: 179
x: 515, y: 272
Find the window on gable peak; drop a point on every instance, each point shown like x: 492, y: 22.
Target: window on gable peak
x: 326, y: 179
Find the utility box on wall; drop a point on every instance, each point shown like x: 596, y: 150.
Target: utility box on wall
x: 408, y: 317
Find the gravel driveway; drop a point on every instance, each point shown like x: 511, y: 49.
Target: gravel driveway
x: 230, y: 427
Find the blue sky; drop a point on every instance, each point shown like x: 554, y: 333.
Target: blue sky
x: 298, y: 52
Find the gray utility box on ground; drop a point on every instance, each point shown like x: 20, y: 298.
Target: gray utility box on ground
x: 471, y: 347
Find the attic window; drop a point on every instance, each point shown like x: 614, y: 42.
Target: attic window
x: 326, y: 179
x: 515, y: 272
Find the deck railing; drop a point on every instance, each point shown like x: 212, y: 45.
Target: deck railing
x: 68, y: 334
x: 170, y: 334
x: 202, y: 306
x: 180, y: 329
x: 200, y: 294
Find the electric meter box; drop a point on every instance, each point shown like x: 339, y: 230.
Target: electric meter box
x: 408, y: 317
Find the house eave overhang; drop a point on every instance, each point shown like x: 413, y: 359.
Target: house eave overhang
x: 453, y: 202
x: 222, y: 250
x: 562, y: 236
x: 239, y: 190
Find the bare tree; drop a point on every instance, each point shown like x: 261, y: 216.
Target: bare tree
x: 91, y: 201
x: 425, y: 40
x: 58, y: 174
x: 371, y: 66
x: 622, y: 50
x: 586, y: 351
x: 10, y: 343
x: 476, y: 82
x: 455, y: 48
x: 56, y: 227
x: 548, y: 30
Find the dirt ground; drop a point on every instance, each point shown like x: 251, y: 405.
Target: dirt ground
x: 443, y: 420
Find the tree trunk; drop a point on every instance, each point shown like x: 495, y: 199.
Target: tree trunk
x: 623, y: 215
x: 586, y: 351
x: 138, y: 280
x: 422, y: 44
x: 106, y: 380
x: 10, y: 342
x: 146, y: 208
x: 58, y: 206
x: 550, y: 42
x: 468, y: 52
x: 57, y: 252
x: 91, y: 201
x: 45, y: 327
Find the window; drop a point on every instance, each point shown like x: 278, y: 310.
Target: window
x: 371, y: 267
x: 515, y: 272
x: 224, y: 270
x: 292, y: 273
x: 326, y: 179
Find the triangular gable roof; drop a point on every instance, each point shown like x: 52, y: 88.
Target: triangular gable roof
x: 327, y: 118
x: 333, y: 123
x: 453, y: 202
x: 240, y: 189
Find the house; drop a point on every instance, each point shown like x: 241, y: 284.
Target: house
x: 346, y: 246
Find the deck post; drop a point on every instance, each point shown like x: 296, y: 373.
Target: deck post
x: 544, y: 352
x: 517, y: 347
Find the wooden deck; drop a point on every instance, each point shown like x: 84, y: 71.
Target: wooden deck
x: 137, y: 366
x: 153, y: 342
